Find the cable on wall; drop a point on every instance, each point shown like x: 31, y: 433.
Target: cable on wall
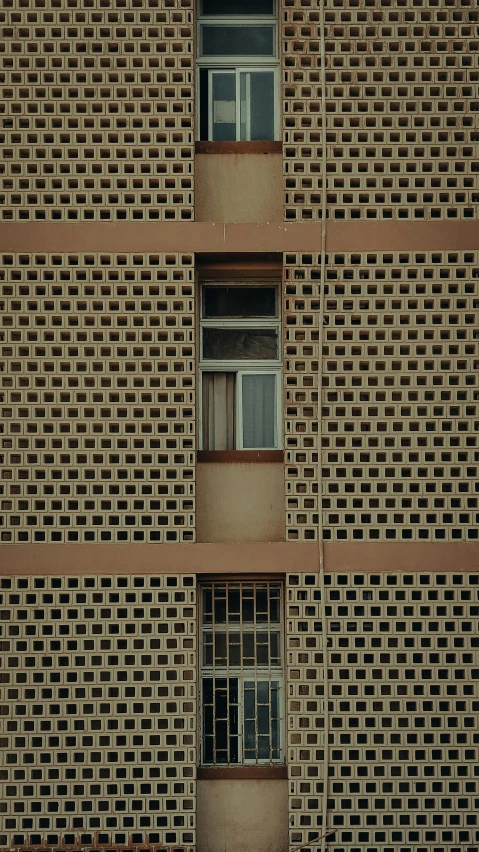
x: 322, y: 606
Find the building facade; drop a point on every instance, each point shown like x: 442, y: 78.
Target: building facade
x: 239, y: 481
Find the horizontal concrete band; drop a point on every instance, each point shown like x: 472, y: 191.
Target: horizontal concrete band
x: 241, y: 773
x: 66, y: 237
x: 238, y: 558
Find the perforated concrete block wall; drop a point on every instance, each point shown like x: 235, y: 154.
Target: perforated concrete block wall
x: 97, y: 404
x: 98, y: 712
x: 400, y: 455
x: 402, y: 691
x: 96, y: 122
x: 401, y: 101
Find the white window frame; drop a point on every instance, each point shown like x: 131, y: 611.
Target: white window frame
x: 231, y: 63
x: 256, y: 674
x: 244, y: 366
x: 237, y: 72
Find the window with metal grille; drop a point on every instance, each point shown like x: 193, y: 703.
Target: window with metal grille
x: 241, y: 673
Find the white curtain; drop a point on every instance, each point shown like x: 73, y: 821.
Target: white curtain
x: 219, y: 411
x: 259, y: 410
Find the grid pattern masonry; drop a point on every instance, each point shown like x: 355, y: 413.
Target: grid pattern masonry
x: 399, y: 399
x: 96, y: 121
x: 97, y: 398
x: 402, y: 691
x: 402, y: 100
x: 98, y: 712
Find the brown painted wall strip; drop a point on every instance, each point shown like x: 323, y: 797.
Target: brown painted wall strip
x: 240, y: 773
x: 217, y: 238
x: 275, y: 557
x: 239, y: 147
x: 240, y: 456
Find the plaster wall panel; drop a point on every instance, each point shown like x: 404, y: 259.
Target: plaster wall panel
x: 240, y: 502
x: 238, y: 188
x: 238, y: 816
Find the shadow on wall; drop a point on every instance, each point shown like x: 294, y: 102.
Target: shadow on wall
x: 242, y: 816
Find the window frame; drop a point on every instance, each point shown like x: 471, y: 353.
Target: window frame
x: 243, y: 366
x: 236, y: 64
x: 272, y: 674
x: 236, y: 71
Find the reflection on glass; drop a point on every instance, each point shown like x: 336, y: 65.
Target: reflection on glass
x: 224, y: 106
x: 259, y: 410
x: 257, y: 94
x: 238, y: 7
x: 243, y: 40
x: 234, y: 605
x: 220, y: 720
x: 239, y: 302
x: 238, y: 344
x: 220, y: 610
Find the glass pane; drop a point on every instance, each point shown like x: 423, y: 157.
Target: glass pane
x: 248, y: 604
x: 238, y: 41
x: 240, y: 302
x: 259, y: 411
x: 239, y: 344
x: 208, y: 691
x: 234, y: 649
x: 220, y: 649
x: 221, y: 701
x: 263, y: 720
x: 248, y: 649
x: 274, y: 699
x: 234, y: 605
x: 207, y: 649
x: 244, y: 107
x: 275, y: 651
x: 224, y: 106
x: 262, y: 99
x: 220, y: 605
x: 263, y: 747
x: 274, y: 605
x: 208, y: 750
x: 238, y: 7
x: 233, y: 749
x: 263, y: 692
x: 207, y: 605
x: 261, y: 605
x: 262, y: 649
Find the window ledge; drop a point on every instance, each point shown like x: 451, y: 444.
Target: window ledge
x: 266, y: 147
x: 216, y: 773
x: 240, y: 456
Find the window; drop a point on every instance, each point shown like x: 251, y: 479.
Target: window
x: 241, y: 673
x: 238, y: 70
x: 240, y: 366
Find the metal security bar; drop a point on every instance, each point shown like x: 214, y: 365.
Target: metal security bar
x: 241, y: 673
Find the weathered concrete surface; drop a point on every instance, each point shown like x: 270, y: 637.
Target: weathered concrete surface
x: 242, y: 816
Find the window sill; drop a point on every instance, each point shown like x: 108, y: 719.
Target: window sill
x: 266, y: 147
x: 246, y: 456
x: 217, y: 773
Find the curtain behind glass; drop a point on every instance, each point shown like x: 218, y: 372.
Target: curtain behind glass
x: 259, y: 411
x: 219, y: 411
